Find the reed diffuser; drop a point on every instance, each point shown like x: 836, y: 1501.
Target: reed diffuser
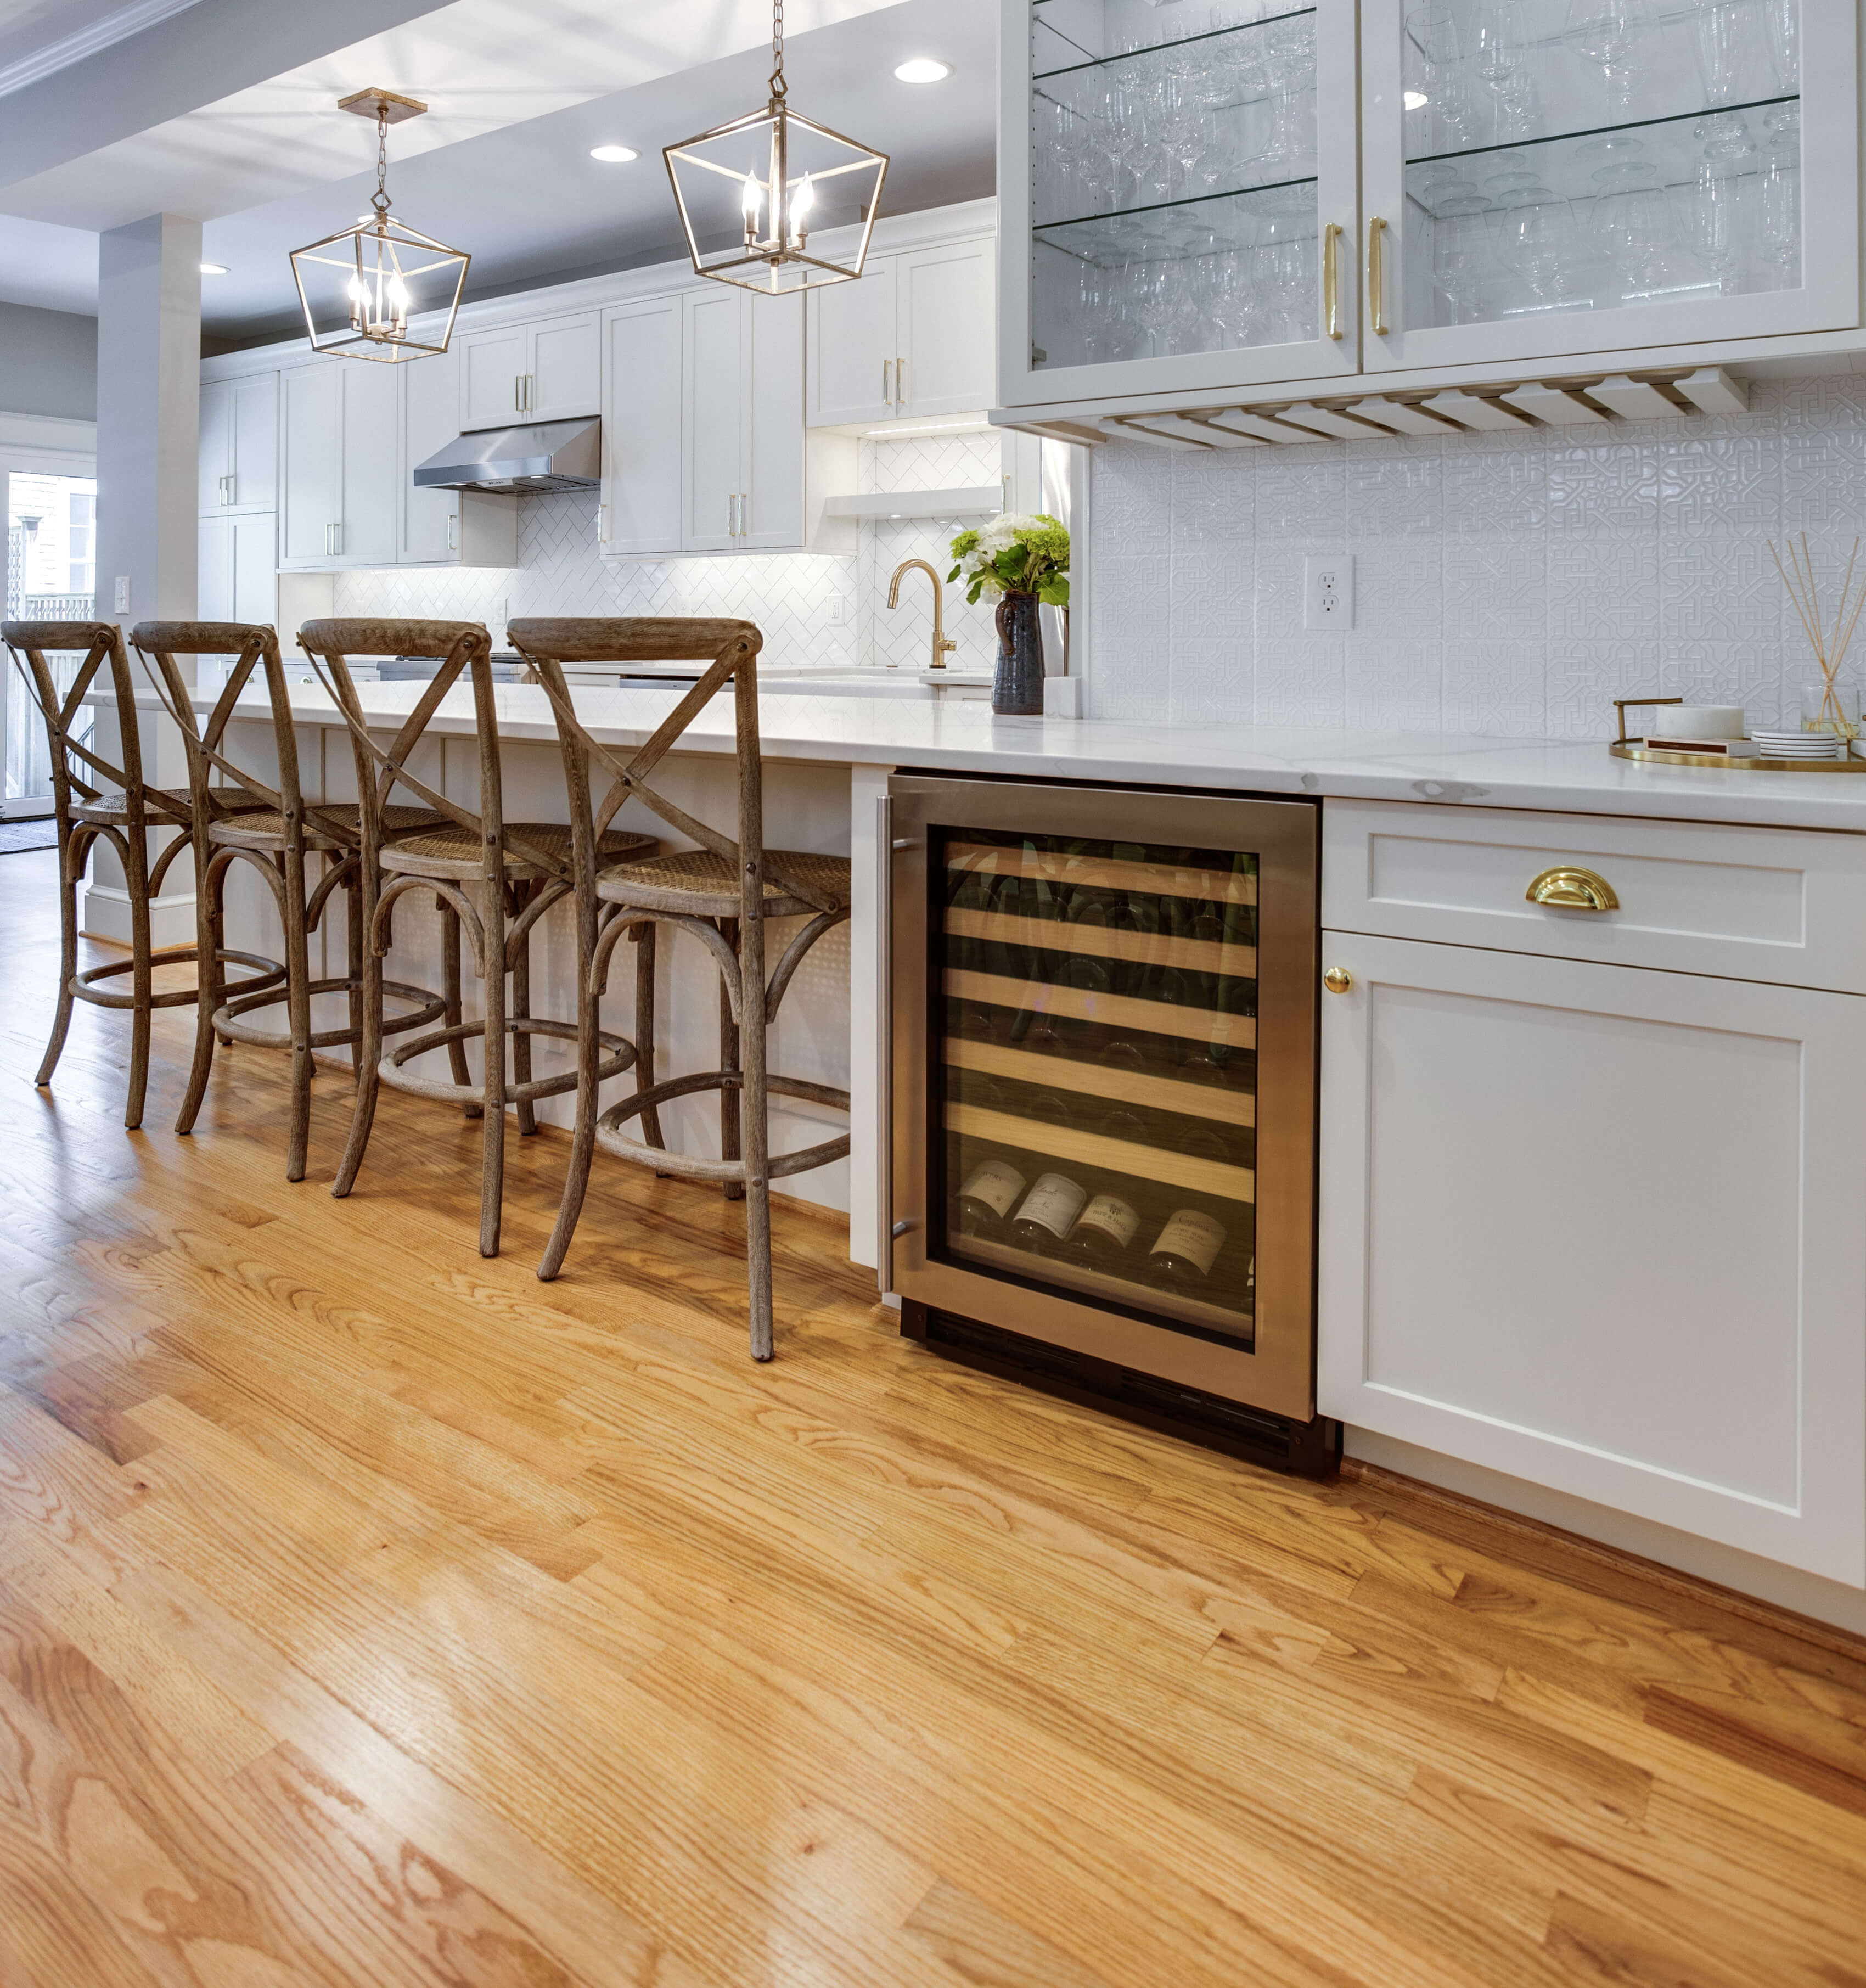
x: 1830, y: 645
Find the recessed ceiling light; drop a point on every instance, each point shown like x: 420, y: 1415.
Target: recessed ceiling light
x: 213, y: 268
x: 614, y: 155
x: 924, y: 69
x: 1415, y: 100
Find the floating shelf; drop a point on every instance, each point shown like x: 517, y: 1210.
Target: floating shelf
x: 965, y: 500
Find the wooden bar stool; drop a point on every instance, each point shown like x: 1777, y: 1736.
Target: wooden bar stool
x: 520, y: 868
x: 122, y: 812
x: 721, y: 892
x: 277, y: 834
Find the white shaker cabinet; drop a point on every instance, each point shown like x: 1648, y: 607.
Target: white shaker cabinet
x: 640, y: 510
x: 1599, y: 1227
x: 742, y: 418
x: 445, y: 527
x: 916, y: 335
x: 548, y: 370
x: 236, y: 579
x: 369, y: 529
x: 338, y: 489
x: 239, y: 444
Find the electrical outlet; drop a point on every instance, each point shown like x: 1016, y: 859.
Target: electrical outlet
x: 1328, y: 591
x: 836, y: 611
x: 122, y: 594
x: 499, y: 615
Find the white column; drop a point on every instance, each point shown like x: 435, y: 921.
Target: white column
x: 148, y: 437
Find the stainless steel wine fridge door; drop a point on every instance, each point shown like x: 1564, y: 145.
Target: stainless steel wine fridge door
x: 1103, y: 1050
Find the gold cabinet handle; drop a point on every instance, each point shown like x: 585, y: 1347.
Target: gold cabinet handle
x: 1337, y: 980
x: 1573, y: 890
x: 1331, y: 277
x: 1377, y: 276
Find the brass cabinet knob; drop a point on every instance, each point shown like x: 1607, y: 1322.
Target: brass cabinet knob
x: 1573, y: 891
x: 1337, y: 980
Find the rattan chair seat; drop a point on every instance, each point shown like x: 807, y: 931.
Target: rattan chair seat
x: 453, y: 853
x: 702, y: 885
x: 112, y: 809
x: 337, y: 825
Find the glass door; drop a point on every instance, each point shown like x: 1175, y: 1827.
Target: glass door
x: 1551, y: 177
x: 1105, y: 1092
x: 50, y: 576
x: 1180, y: 212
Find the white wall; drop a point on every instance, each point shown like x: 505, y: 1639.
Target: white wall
x: 1505, y: 586
x: 48, y: 362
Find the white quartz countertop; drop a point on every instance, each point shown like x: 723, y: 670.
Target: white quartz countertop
x: 953, y: 736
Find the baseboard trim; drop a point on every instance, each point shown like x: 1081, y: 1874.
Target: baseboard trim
x: 1839, y: 1636
x: 104, y: 913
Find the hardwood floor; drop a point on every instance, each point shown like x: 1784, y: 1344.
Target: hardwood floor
x: 370, y: 1614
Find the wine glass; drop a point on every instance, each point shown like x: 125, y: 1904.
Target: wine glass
x: 1781, y: 19
x: 1782, y: 200
x: 1461, y: 253
x: 1719, y: 204
x: 1629, y: 223
x: 1608, y: 33
x: 1717, y: 25
x: 1535, y: 243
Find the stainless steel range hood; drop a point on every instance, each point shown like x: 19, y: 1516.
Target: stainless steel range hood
x: 542, y: 456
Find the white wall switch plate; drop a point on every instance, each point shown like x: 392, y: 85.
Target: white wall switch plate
x: 122, y: 594
x: 1328, y: 591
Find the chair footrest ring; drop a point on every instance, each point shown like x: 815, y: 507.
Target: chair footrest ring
x: 227, y: 1020
x: 621, y: 1057
x: 266, y: 973
x: 687, y: 1167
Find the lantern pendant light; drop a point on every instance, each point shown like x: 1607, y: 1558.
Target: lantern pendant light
x: 360, y: 286
x: 750, y: 192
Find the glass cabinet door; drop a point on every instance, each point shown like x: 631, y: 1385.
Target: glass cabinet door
x: 1181, y: 210
x: 1549, y: 177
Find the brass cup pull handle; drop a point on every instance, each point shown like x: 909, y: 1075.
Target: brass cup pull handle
x: 1331, y: 278
x: 1337, y: 980
x: 1377, y: 276
x: 1573, y: 890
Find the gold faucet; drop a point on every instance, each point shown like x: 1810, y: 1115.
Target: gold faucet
x: 942, y: 645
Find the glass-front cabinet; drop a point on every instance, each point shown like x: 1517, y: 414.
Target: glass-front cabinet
x: 1103, y: 1074
x: 1227, y: 193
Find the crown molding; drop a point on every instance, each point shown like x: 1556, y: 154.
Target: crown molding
x: 74, y: 48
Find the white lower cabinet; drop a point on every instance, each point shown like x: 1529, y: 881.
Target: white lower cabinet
x: 1601, y: 1228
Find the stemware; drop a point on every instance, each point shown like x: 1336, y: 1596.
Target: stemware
x: 1717, y: 25
x: 1609, y: 33
x: 1719, y: 206
x: 1289, y: 50
x: 1782, y: 200
x: 1434, y: 61
x: 1781, y: 19
x: 1535, y: 246
x: 1461, y: 253
x: 1631, y: 223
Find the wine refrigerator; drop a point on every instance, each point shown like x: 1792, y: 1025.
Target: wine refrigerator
x: 1099, y: 1086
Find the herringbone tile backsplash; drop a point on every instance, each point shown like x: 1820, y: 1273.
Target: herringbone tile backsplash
x: 792, y: 596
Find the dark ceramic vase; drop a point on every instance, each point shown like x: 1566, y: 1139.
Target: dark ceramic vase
x: 1017, y: 689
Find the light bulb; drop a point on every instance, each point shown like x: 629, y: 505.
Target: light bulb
x: 801, y: 202
x: 752, y: 200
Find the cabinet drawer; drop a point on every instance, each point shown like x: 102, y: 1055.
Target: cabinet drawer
x: 1786, y: 905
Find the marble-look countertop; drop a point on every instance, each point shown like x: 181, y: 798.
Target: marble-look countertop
x: 957, y: 736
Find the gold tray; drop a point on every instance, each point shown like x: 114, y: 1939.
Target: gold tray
x: 1635, y: 749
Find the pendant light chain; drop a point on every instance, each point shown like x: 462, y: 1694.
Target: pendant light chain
x: 779, y: 88
x: 378, y: 200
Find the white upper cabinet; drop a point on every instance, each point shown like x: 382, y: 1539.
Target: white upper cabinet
x: 916, y: 335
x: 546, y: 371
x: 239, y: 444
x: 1177, y: 201
x: 445, y: 527
x: 641, y: 510
x: 1543, y: 179
x: 1598, y: 177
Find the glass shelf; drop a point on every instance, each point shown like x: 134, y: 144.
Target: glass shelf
x: 1240, y: 27
x: 1681, y: 117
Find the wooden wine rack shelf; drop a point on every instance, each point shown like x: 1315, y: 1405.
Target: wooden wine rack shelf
x: 1216, y: 1178
x: 1195, y: 956
x: 1117, y: 1011
x: 1234, y: 1321
x: 1163, y: 880
x: 1190, y: 1101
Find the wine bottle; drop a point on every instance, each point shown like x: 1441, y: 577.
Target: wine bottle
x: 1049, y: 1211
x: 1186, y: 1250
x: 1104, y: 1232
x: 989, y: 1194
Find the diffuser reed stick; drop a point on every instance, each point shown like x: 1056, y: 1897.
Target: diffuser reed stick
x: 1829, y: 644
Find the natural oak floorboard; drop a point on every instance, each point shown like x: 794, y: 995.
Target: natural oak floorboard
x: 371, y: 1613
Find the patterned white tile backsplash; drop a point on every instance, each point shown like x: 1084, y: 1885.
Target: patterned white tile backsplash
x: 1508, y: 584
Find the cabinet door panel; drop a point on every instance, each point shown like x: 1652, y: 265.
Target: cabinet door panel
x: 1628, y: 213
x: 565, y: 368
x: 214, y: 570
x: 253, y: 597
x: 852, y: 339
x: 253, y: 457
x: 948, y: 329
x: 491, y: 364
x: 312, y: 484
x: 713, y: 397
x: 642, y: 430
x: 371, y: 514
x: 216, y: 455
x: 430, y: 418
x: 1591, y: 1226
x: 772, y: 477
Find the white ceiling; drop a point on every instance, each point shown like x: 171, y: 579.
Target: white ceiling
x: 520, y: 90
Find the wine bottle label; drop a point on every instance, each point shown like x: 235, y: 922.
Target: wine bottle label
x: 1193, y: 1234
x: 1053, y: 1203
x: 1112, y: 1217
x: 997, y: 1184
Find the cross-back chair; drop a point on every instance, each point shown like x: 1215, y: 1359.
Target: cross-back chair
x: 721, y: 892
x: 96, y: 799
x: 276, y: 832
x: 520, y: 870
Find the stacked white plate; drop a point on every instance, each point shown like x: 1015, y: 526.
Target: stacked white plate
x: 1795, y: 745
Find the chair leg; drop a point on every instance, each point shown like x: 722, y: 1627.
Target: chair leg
x: 643, y: 939
x: 353, y: 959
x: 142, y: 988
x: 68, y: 962
x: 582, y: 1138
x: 731, y: 1110
x: 521, y: 1042
x: 450, y: 989
x: 298, y: 1008
x: 492, y: 1173
x: 368, y: 1051
x: 210, y: 979
x: 754, y: 1112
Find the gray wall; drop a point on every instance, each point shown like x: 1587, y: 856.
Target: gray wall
x: 48, y: 362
